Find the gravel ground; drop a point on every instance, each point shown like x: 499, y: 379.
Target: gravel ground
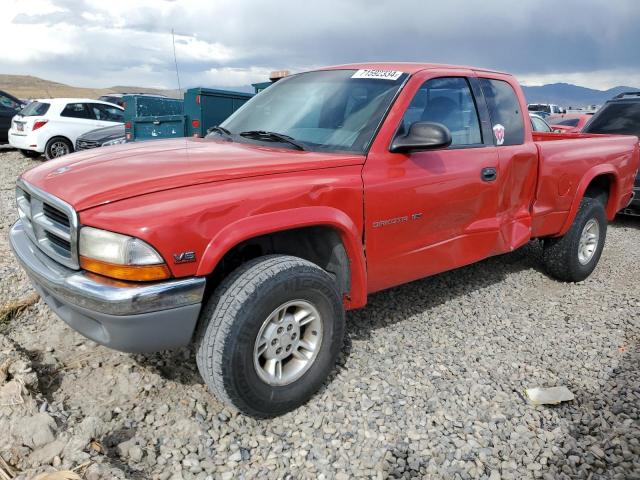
x: 430, y: 384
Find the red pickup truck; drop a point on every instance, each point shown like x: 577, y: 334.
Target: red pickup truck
x: 327, y: 186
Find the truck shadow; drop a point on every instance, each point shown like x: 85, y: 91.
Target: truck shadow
x: 627, y: 221
x: 409, y: 299
x: 174, y: 365
x: 425, y: 294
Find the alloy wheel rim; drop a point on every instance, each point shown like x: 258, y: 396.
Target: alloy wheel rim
x: 58, y: 149
x: 288, y: 343
x: 588, y: 241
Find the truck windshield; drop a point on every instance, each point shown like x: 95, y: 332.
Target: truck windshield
x: 331, y: 110
x: 619, y: 117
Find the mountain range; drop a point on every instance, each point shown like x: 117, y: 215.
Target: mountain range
x: 26, y: 86
x: 568, y: 95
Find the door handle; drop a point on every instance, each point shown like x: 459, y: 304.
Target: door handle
x: 489, y: 174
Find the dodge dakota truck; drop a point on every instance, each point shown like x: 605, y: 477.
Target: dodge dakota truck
x: 328, y: 186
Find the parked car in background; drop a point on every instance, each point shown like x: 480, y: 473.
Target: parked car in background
x: 548, y: 108
x: 101, y: 137
x: 52, y: 126
x: 569, y: 122
x: 118, y: 98
x: 538, y: 124
x: 326, y: 187
x: 9, y: 106
x: 620, y: 115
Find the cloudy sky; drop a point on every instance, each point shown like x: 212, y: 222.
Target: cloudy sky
x: 228, y: 43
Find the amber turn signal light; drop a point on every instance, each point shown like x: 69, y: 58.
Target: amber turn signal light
x: 136, y: 273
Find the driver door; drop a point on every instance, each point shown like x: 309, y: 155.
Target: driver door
x: 433, y: 210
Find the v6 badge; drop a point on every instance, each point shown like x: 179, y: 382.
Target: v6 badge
x: 184, y: 257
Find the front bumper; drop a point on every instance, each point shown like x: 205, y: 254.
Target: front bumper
x: 126, y: 316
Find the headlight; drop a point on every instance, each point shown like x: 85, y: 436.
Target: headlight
x: 115, y: 141
x: 120, y: 256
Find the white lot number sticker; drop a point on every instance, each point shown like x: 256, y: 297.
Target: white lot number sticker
x: 377, y: 74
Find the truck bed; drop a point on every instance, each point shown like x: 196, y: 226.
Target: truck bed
x: 568, y: 162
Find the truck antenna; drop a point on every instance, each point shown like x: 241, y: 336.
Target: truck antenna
x: 175, y: 60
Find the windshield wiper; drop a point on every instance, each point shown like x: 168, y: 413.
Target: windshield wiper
x: 220, y: 130
x: 272, y: 136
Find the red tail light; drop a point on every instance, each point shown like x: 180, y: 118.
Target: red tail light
x: 127, y: 125
x: 39, y: 123
x: 198, y: 99
x: 195, y: 123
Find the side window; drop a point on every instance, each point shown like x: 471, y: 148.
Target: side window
x: 447, y: 101
x: 504, y: 109
x: 75, y: 110
x: 106, y: 113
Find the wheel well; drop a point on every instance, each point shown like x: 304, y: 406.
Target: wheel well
x: 320, y: 245
x: 600, y: 188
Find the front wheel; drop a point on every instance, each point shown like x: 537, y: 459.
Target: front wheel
x: 270, y: 335
x: 574, y: 256
x: 57, y: 147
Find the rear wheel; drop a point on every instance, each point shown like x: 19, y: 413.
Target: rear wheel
x: 270, y: 335
x: 574, y: 256
x: 30, y: 153
x: 57, y: 147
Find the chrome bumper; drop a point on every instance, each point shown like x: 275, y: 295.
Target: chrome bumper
x: 122, y: 315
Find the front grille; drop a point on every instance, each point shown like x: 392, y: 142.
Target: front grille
x: 56, y: 215
x: 86, y: 144
x: 60, y: 242
x: 50, y: 223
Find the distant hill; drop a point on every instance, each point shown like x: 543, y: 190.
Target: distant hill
x: 26, y: 86
x: 566, y: 94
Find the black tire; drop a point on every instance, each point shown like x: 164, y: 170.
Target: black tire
x: 561, y: 255
x: 30, y: 153
x: 57, y: 147
x: 233, y: 317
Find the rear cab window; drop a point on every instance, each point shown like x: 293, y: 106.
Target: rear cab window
x: 504, y: 109
x: 446, y: 100
x: 621, y: 118
x: 76, y: 110
x: 35, y: 109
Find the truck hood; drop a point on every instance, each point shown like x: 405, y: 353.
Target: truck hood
x: 108, y: 174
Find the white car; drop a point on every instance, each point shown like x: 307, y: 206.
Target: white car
x: 51, y: 126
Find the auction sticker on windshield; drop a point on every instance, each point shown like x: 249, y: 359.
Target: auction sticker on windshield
x: 378, y: 74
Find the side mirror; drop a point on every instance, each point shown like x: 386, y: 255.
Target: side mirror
x: 422, y: 136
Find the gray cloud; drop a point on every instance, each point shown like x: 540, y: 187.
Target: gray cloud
x: 526, y: 38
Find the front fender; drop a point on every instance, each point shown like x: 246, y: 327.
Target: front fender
x: 265, y: 223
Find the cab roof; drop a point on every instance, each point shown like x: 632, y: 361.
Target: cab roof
x: 407, y: 67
